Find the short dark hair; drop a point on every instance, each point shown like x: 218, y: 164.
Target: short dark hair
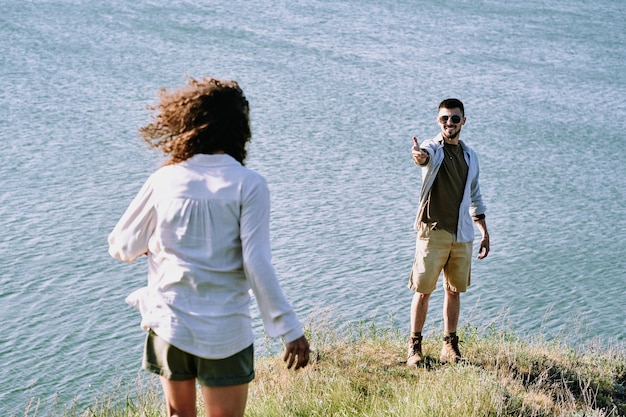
x: 206, y: 116
x: 452, y: 103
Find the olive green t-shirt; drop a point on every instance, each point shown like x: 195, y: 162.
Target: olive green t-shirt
x: 443, y: 203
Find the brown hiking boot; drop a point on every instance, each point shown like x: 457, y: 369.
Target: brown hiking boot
x: 415, y: 351
x: 450, y: 351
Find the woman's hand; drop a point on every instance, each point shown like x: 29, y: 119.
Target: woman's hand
x: 297, y: 352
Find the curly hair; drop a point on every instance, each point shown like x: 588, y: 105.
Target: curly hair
x: 206, y: 116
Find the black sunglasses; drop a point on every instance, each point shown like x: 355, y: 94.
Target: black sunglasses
x: 455, y: 119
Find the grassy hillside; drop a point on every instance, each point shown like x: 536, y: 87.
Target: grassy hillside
x: 360, y: 371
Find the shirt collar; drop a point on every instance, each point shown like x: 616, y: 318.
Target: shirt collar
x: 217, y: 159
x: 439, y: 139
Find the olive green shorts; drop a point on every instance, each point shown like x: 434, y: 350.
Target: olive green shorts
x: 437, y: 250
x: 166, y: 360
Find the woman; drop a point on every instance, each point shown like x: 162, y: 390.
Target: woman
x: 203, y: 221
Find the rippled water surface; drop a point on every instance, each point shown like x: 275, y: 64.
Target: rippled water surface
x: 337, y: 89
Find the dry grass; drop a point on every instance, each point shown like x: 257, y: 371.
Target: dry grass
x: 359, y: 372
x: 362, y: 373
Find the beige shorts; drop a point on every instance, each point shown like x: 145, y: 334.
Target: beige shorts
x: 435, y: 251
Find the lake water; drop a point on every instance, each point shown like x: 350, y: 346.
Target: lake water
x: 337, y: 90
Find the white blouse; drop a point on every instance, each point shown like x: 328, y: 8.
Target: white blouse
x: 204, y: 224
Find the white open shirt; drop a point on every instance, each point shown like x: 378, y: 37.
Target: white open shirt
x: 205, y: 226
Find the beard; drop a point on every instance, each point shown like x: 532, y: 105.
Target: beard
x: 452, y: 136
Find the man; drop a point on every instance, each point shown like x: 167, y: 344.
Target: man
x: 450, y: 201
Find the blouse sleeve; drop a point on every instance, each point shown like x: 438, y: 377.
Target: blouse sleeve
x: 129, y: 239
x: 278, y: 316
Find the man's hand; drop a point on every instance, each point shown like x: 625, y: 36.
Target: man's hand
x: 419, y: 155
x: 297, y: 352
x: 483, y: 250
